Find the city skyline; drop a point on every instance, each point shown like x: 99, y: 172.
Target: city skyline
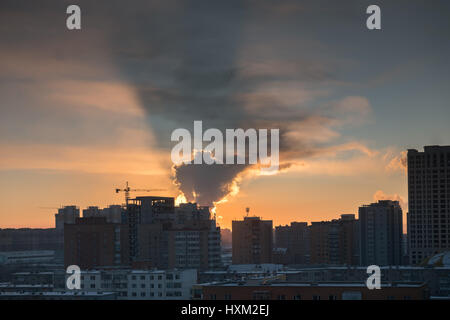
x: 96, y: 210
x: 85, y: 111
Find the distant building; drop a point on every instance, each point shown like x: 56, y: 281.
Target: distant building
x: 27, y: 257
x: 93, y: 242
x: 335, y: 242
x: 381, y: 230
x: 270, y: 290
x: 26, y: 239
x: 57, y: 295
x: 141, y: 284
x: 91, y: 212
x: 436, y: 274
x: 151, y: 233
x: 65, y: 215
x: 226, y: 238
x: 195, y: 245
x: 295, y: 239
x: 113, y: 213
x: 252, y: 241
x: 428, y: 202
x: 165, y: 236
x: 123, y: 283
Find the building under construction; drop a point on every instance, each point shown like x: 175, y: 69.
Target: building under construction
x: 152, y: 233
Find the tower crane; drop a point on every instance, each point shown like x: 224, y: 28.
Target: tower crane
x: 127, y: 190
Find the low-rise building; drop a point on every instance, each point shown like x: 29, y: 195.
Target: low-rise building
x: 141, y: 284
x: 311, y: 291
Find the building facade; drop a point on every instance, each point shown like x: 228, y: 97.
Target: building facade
x: 252, y: 241
x: 152, y: 233
x: 335, y: 242
x: 295, y: 239
x: 93, y: 242
x: 429, y: 202
x: 311, y: 291
x: 381, y: 229
x: 141, y: 284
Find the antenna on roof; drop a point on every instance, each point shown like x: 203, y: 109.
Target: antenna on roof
x: 247, y: 210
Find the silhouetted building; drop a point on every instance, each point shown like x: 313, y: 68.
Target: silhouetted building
x: 295, y: 240
x: 165, y: 236
x: 113, y: 213
x: 381, y: 230
x: 67, y: 214
x: 429, y: 202
x: 147, y: 218
x: 151, y: 247
x: 26, y: 239
x: 27, y: 257
x: 93, y: 242
x: 226, y: 238
x: 195, y: 244
x: 151, y: 233
x: 268, y: 290
x: 252, y: 241
x: 91, y: 212
x: 335, y: 242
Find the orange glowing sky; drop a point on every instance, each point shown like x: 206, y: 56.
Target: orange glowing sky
x: 81, y: 112
x: 37, y: 177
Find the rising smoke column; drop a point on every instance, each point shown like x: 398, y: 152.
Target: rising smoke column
x: 187, y: 70
x: 188, y: 61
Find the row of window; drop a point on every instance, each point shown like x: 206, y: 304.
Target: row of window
x: 266, y: 296
x: 159, y: 277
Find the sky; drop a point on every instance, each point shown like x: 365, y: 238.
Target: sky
x: 84, y: 111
